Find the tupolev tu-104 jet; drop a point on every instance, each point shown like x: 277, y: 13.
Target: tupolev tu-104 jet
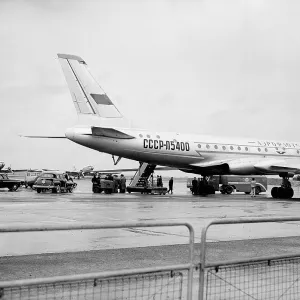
x: 198, y: 154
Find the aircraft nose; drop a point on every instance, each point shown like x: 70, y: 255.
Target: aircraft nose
x: 69, y: 133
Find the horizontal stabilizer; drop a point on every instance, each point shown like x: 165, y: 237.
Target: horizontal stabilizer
x: 42, y: 137
x: 110, y: 132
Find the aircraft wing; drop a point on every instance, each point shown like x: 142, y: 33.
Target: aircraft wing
x: 265, y: 166
x: 130, y: 170
x: 279, y: 166
x: 210, y: 167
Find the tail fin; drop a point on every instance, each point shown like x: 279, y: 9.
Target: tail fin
x: 87, y: 95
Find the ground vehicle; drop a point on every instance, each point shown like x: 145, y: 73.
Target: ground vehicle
x: 242, y: 184
x: 55, y: 182
x: 11, y: 184
x: 31, y: 177
x: 226, y: 184
x: 108, y: 184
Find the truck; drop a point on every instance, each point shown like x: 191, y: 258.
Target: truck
x: 226, y: 184
x: 108, y: 184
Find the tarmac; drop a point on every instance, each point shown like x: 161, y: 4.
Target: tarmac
x: 44, y: 254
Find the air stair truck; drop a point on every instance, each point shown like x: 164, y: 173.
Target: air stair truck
x: 143, y: 182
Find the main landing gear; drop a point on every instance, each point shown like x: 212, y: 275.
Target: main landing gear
x: 284, y: 191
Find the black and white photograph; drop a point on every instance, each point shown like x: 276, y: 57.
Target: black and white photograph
x: 150, y: 149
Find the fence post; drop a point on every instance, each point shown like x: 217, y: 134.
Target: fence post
x: 191, y: 261
x: 202, y: 261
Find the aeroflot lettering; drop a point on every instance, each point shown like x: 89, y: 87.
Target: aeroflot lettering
x: 167, y: 145
x: 287, y: 145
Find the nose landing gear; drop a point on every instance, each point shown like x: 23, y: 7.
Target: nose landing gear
x: 285, y: 191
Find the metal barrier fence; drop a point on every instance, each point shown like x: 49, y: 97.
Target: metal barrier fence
x: 147, y: 283
x: 276, y: 277
x: 158, y: 285
x: 267, y: 279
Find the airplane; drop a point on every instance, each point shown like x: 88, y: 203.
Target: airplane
x: 2, y: 164
x: 198, y: 154
x: 80, y: 173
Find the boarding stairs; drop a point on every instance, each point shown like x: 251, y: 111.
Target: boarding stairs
x: 140, y: 181
x: 142, y: 175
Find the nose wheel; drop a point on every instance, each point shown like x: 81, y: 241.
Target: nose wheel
x: 284, y: 191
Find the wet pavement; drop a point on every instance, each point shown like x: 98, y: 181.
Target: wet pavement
x: 26, y: 207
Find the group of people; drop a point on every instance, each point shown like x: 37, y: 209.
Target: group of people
x: 160, y: 183
x: 198, y: 185
x: 120, y: 184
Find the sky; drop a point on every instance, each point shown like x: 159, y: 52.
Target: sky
x: 225, y: 68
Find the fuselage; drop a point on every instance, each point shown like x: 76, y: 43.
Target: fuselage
x: 186, y: 151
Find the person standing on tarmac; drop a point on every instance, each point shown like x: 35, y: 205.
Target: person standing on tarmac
x: 194, y: 186
x: 98, y: 179
x: 94, y: 179
x: 253, y: 185
x: 199, y: 186
x: 95, y: 182
x: 170, y: 186
x: 160, y: 181
x: 122, y: 184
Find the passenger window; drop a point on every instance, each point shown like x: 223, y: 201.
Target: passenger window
x: 258, y: 149
x: 199, y: 146
x: 246, y: 148
x: 207, y: 146
x: 216, y: 147
x: 148, y: 136
x: 224, y: 148
x: 239, y: 148
x: 231, y: 148
x: 266, y: 149
x: 158, y: 136
x: 141, y: 135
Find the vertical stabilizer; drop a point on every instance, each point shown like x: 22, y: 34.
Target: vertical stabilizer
x: 88, y: 97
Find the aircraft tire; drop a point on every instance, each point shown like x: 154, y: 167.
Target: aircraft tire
x: 282, y: 193
x: 274, y: 192
x: 38, y: 190
x: 289, y: 193
x: 54, y: 191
